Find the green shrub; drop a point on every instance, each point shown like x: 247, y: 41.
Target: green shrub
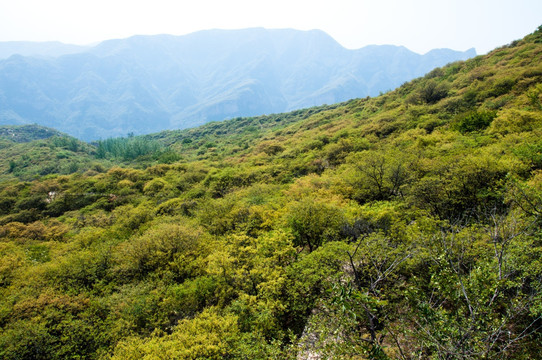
x: 314, y: 223
x: 475, y: 121
x: 432, y: 92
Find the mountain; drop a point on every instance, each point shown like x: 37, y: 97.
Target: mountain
x: 402, y: 226
x: 145, y: 84
x: 47, y: 49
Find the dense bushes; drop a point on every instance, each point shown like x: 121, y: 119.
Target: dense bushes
x: 127, y: 148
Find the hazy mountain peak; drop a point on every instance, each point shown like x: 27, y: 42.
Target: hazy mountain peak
x: 148, y: 83
x: 447, y: 52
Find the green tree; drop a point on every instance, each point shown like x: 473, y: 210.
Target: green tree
x: 314, y: 222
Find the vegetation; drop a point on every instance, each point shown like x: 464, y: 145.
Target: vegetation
x: 403, y: 226
x: 127, y: 149
x: 31, y: 151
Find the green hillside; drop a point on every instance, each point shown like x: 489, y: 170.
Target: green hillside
x: 32, y: 151
x: 26, y: 133
x: 397, y: 227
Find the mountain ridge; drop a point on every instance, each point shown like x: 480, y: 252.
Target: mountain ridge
x: 47, y: 49
x: 145, y: 84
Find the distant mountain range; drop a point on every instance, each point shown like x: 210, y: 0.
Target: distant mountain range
x: 145, y: 84
x: 45, y: 49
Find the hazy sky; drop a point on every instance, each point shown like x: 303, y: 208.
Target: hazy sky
x: 420, y: 25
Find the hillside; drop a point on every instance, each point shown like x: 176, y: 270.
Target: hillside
x: 32, y: 151
x: 27, y: 133
x: 396, y: 227
x: 145, y: 84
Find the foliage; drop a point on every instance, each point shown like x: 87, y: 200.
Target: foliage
x: 30, y: 153
x: 129, y: 148
x: 475, y: 121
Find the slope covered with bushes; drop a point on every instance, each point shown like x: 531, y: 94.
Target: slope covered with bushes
x: 402, y: 226
x: 31, y: 151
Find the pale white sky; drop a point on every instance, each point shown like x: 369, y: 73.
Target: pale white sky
x: 420, y: 25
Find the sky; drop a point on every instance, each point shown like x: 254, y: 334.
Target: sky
x: 419, y: 25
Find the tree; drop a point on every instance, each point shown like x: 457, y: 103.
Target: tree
x: 314, y: 222
x: 355, y: 320
x: 379, y: 176
x: 478, y: 301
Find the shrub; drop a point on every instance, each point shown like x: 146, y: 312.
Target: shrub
x: 314, y: 223
x: 475, y: 121
x: 154, y: 186
x: 432, y: 92
x: 168, y: 246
